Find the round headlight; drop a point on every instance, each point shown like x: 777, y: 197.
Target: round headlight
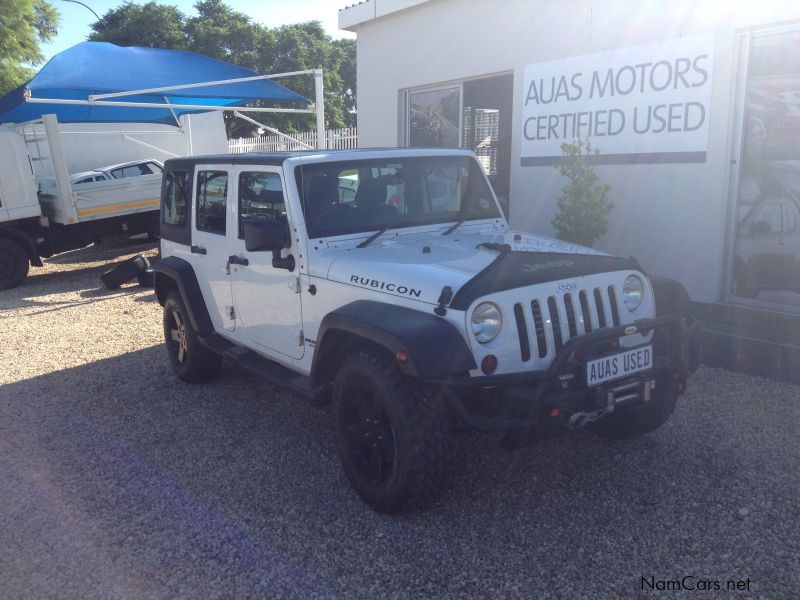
x: 632, y: 292
x: 486, y: 322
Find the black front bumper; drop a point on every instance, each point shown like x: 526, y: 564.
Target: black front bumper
x: 528, y: 399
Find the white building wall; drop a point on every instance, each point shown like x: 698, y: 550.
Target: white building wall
x: 673, y: 218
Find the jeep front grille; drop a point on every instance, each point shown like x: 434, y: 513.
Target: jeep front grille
x: 544, y: 325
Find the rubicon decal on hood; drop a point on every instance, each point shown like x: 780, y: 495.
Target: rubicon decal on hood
x: 383, y: 285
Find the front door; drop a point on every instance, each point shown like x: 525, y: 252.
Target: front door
x: 209, y: 251
x: 268, y: 313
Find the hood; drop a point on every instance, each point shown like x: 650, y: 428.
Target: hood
x: 418, y: 265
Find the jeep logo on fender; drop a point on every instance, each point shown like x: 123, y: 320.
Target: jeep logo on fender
x: 566, y: 287
x: 382, y: 285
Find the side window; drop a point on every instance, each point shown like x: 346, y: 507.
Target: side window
x: 154, y: 168
x: 260, y: 197
x: 212, y: 192
x: 175, y: 198
x: 100, y: 178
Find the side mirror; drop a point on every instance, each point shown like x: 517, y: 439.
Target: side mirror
x: 265, y: 234
x: 760, y: 228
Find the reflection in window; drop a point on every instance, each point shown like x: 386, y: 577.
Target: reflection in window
x: 260, y: 197
x: 212, y: 191
x: 433, y: 119
x: 175, y: 198
x: 767, y: 241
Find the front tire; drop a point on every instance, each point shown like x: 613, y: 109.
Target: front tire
x: 642, y: 418
x: 191, y: 361
x: 391, y: 433
x: 14, y: 264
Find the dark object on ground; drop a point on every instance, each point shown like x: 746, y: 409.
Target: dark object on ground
x: 146, y: 278
x: 124, y: 271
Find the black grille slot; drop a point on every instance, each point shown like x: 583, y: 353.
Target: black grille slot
x: 538, y: 325
x: 587, y: 315
x: 601, y: 311
x: 612, y: 298
x: 522, y: 333
x: 569, y: 306
x: 555, y: 321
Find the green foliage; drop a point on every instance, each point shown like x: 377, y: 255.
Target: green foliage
x: 220, y: 32
x: 151, y: 25
x: 23, y: 25
x: 584, y: 205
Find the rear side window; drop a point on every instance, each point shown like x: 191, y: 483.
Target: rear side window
x: 212, y: 192
x: 175, y: 198
x: 260, y: 197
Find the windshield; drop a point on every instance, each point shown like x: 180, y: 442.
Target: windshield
x: 368, y: 195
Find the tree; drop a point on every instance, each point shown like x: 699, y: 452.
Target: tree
x: 584, y: 205
x: 23, y: 25
x: 220, y: 32
x: 151, y: 25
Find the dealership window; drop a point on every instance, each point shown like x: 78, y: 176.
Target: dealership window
x: 766, y: 240
x: 473, y: 114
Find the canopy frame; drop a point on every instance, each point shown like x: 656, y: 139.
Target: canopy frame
x: 317, y: 108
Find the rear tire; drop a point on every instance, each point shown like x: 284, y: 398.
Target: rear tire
x: 124, y: 271
x: 391, y: 433
x: 14, y: 264
x: 191, y: 361
x: 640, y: 419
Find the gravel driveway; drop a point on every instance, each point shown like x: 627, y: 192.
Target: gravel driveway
x: 116, y: 480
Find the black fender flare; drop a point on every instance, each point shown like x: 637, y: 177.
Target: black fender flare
x: 433, y: 346
x: 670, y: 296
x: 173, y: 272
x: 26, y: 241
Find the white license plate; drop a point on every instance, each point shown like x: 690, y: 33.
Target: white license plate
x: 619, y: 365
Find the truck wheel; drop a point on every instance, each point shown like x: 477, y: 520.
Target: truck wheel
x: 14, y: 264
x: 124, y: 271
x: 391, y: 433
x: 191, y: 361
x: 643, y: 418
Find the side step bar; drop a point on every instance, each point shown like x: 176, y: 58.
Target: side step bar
x: 263, y: 367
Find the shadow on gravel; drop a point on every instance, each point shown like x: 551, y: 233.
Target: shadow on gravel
x: 102, y: 252
x: 236, y: 484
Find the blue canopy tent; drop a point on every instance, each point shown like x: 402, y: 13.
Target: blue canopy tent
x: 101, y: 82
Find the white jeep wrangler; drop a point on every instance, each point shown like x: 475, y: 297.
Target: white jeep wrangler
x: 388, y: 283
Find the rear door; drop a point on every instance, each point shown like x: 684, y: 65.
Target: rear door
x: 268, y: 312
x: 209, y: 248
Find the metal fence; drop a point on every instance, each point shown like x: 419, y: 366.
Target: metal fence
x: 337, y: 139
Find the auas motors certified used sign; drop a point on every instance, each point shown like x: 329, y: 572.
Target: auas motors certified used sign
x: 637, y: 104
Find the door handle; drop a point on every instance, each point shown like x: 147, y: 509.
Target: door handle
x: 197, y: 250
x: 238, y: 260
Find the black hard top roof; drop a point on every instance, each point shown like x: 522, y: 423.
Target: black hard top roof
x: 278, y: 158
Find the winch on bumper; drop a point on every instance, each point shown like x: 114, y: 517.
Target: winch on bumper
x: 560, y: 397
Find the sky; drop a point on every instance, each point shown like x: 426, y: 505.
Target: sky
x: 76, y: 20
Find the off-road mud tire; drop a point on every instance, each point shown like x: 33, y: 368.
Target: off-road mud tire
x: 417, y: 420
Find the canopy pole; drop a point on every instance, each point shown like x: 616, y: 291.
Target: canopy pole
x: 174, y: 116
x: 198, y: 107
x: 319, y: 107
x: 272, y: 130
x: 127, y: 137
x: 188, y: 86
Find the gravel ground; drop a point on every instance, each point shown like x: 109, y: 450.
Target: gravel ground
x: 116, y: 480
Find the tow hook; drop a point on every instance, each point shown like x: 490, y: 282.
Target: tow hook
x: 583, y: 418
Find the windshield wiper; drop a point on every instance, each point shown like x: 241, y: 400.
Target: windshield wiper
x: 372, y: 238
x: 454, y: 226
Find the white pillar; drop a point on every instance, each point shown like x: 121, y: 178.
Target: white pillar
x: 69, y: 213
x: 319, y: 106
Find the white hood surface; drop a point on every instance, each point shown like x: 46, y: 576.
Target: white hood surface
x: 418, y: 264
